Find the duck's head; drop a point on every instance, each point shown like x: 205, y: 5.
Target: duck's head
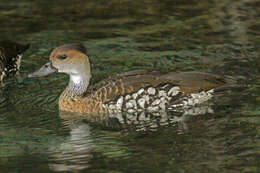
x: 71, y: 59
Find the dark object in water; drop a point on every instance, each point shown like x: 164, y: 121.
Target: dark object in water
x: 10, y: 58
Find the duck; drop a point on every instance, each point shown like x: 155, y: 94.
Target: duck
x: 10, y: 58
x: 131, y: 91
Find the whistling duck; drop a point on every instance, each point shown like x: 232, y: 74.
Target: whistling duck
x: 127, y: 92
x: 10, y: 58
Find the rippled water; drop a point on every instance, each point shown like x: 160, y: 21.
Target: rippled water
x: 215, y: 36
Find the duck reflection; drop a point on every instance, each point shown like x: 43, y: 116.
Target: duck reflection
x: 143, y: 120
x: 74, y: 153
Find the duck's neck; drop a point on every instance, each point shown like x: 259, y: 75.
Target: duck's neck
x: 78, y: 85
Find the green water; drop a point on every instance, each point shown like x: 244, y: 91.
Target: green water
x: 217, y: 36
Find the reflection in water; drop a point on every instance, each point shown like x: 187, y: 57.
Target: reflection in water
x: 143, y: 121
x: 74, y: 153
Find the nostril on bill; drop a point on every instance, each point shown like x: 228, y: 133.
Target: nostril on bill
x: 45, y: 70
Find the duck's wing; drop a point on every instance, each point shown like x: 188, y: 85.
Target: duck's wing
x: 122, y: 84
x: 133, y: 81
x: 191, y: 82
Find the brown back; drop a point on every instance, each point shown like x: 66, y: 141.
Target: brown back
x: 132, y: 81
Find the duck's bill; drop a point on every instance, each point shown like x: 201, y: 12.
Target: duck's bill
x: 45, y: 70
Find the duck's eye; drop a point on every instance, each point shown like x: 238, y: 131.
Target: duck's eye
x: 63, y: 56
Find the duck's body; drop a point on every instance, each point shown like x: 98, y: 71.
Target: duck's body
x: 10, y: 58
x: 128, y: 92
x: 138, y: 90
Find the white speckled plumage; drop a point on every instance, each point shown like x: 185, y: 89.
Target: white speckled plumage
x: 144, y: 99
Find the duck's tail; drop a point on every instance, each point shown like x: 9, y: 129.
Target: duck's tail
x: 232, y: 83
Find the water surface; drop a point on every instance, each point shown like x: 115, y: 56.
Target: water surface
x: 221, y: 37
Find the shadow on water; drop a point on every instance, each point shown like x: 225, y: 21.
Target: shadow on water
x: 220, y: 37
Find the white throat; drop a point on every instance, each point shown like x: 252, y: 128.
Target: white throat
x: 76, y: 79
x: 78, y: 84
